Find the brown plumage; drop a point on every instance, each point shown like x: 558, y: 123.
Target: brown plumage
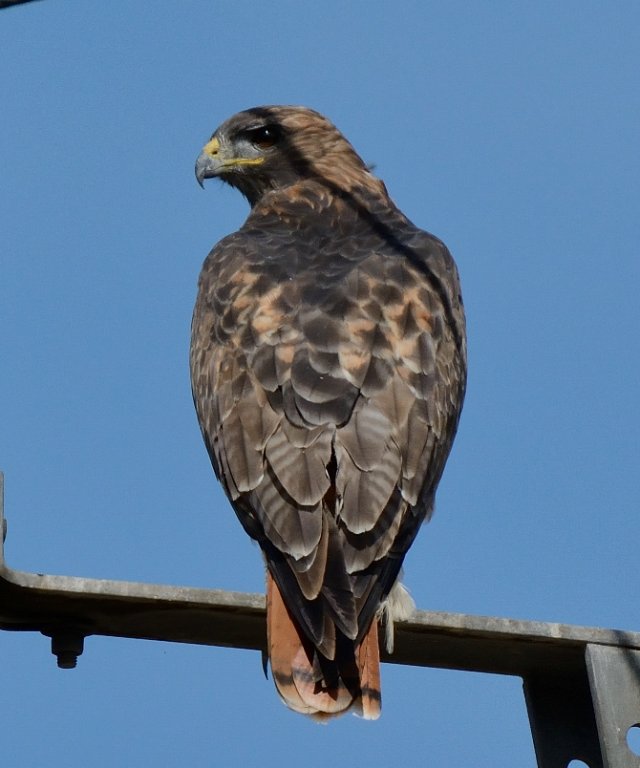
x: 328, y: 365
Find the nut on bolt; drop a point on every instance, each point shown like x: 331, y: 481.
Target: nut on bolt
x: 66, y: 646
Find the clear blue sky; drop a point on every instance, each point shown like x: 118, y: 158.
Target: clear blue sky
x: 509, y: 129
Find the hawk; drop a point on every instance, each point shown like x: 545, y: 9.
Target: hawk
x: 328, y: 368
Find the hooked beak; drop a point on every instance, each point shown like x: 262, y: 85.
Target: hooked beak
x: 209, y: 162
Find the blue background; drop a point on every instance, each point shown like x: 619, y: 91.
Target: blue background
x: 510, y: 130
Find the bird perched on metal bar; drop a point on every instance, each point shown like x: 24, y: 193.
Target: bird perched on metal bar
x: 328, y: 367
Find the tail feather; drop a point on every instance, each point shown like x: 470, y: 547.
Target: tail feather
x: 310, y: 683
x: 369, y: 666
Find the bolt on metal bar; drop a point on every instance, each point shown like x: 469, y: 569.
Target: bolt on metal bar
x: 581, y: 684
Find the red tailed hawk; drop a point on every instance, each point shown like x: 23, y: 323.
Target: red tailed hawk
x: 328, y: 366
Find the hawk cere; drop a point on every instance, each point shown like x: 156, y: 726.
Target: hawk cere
x: 328, y: 366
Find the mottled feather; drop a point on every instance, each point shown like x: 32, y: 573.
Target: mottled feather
x: 328, y: 365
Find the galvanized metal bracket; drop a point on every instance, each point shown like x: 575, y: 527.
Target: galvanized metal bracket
x: 614, y: 677
x: 581, y: 684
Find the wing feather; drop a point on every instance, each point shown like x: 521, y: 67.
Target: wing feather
x: 302, y: 471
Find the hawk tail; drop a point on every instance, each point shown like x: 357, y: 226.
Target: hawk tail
x: 310, y: 683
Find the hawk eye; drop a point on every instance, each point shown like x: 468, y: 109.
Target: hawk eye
x: 263, y: 137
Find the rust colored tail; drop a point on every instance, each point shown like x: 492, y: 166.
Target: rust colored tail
x: 310, y: 683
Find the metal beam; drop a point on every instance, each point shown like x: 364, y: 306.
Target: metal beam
x: 9, y: 3
x: 582, y: 685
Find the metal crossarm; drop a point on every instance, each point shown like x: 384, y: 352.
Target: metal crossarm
x: 581, y: 685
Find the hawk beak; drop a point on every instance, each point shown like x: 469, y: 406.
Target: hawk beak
x: 209, y: 162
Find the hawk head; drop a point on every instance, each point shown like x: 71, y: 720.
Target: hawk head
x: 273, y: 147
